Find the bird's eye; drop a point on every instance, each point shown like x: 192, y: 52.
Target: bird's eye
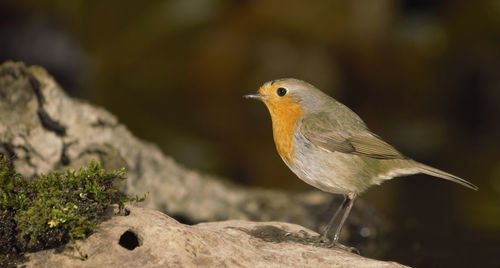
x: 281, y: 91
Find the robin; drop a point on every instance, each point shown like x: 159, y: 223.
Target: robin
x: 329, y: 147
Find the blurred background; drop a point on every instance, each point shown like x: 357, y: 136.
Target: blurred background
x: 424, y: 75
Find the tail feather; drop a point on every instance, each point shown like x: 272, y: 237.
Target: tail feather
x: 444, y: 175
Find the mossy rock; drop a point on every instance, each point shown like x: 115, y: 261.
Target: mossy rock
x: 51, y: 210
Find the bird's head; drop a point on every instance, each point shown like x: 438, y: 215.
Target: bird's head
x: 288, y: 94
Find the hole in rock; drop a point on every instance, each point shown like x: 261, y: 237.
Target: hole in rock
x: 129, y: 240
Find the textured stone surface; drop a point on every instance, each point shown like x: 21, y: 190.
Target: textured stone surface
x: 164, y: 242
x: 47, y: 130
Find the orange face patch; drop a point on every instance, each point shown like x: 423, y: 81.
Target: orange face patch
x: 285, y: 114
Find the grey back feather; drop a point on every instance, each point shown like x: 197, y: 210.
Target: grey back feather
x: 326, y: 131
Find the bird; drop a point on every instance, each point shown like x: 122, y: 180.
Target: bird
x: 329, y: 147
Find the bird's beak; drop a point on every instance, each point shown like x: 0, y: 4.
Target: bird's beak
x: 254, y: 96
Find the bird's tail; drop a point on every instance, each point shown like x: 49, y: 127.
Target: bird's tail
x: 445, y: 175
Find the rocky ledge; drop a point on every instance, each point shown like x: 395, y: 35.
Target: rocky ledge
x: 149, y: 238
x: 46, y: 130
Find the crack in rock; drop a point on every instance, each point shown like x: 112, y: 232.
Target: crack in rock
x: 47, y: 122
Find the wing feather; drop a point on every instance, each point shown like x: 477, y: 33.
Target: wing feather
x: 327, y: 133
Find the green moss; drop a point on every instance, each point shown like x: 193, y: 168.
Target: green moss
x: 53, y: 209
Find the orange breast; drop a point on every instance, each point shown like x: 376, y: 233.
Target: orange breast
x: 285, y: 116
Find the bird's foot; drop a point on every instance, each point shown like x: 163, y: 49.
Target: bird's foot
x: 346, y: 248
x: 324, y: 242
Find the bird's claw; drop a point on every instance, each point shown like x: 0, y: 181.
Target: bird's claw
x: 346, y: 248
x: 324, y: 242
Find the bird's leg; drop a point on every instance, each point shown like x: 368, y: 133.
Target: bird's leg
x: 347, y: 209
x: 338, y: 220
x: 327, y: 234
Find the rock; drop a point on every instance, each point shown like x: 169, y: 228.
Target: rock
x: 148, y: 238
x: 47, y: 130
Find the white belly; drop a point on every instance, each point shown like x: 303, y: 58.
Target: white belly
x: 333, y: 172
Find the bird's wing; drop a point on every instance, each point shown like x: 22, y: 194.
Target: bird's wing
x: 350, y: 137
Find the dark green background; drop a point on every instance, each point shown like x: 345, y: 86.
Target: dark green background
x: 425, y: 75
